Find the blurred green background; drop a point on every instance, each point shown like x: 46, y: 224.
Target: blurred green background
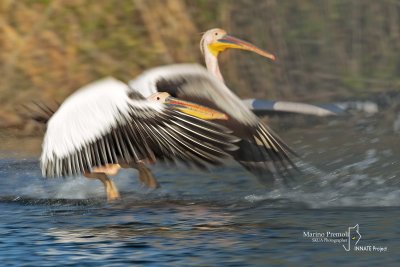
x: 327, y: 50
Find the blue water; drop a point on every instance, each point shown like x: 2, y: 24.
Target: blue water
x: 224, y: 217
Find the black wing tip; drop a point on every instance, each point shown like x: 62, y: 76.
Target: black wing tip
x: 39, y: 111
x: 267, y: 156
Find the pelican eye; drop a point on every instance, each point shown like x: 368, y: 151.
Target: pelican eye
x: 158, y: 98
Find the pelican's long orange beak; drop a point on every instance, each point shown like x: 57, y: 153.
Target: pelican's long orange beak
x: 232, y: 42
x: 194, y: 109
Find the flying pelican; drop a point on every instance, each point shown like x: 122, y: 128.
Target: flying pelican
x: 106, y: 125
x: 260, y: 151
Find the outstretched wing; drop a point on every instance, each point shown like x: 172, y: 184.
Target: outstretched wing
x: 107, y: 122
x: 261, y: 151
x: 194, y: 83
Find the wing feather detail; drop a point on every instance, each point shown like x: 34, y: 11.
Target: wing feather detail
x: 260, y: 151
x: 106, y: 123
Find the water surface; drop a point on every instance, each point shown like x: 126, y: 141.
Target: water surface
x: 224, y: 217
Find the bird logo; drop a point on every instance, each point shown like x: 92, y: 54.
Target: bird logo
x: 353, y: 237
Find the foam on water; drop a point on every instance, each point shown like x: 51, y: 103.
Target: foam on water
x: 352, y: 185
x: 345, y: 163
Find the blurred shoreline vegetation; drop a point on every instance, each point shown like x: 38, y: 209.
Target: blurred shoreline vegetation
x: 327, y: 50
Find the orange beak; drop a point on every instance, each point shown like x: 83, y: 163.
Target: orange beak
x: 232, y: 42
x: 195, y: 110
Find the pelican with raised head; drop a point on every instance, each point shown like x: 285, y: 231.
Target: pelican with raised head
x: 260, y: 151
x: 215, y: 41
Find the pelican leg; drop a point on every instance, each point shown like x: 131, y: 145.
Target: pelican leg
x: 145, y: 174
x: 111, y: 189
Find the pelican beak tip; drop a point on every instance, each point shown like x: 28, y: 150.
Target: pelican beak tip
x: 229, y: 41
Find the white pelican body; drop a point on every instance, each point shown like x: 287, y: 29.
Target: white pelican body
x: 260, y: 151
x: 107, y: 125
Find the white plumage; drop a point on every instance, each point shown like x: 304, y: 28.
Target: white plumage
x: 206, y: 86
x: 88, y: 114
x: 145, y: 83
x: 107, y: 122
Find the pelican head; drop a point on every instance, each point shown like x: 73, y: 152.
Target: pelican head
x: 187, y: 107
x: 218, y: 40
